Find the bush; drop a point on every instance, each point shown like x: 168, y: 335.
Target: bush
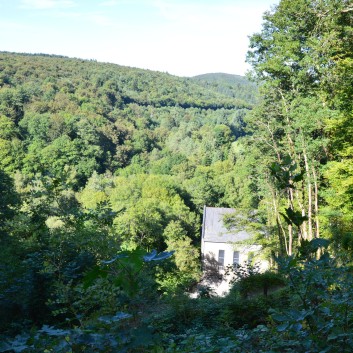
x: 238, y: 313
x: 259, y: 283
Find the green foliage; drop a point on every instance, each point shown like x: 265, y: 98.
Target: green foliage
x: 126, y: 269
x: 184, y: 269
x: 299, y: 58
x: 286, y: 173
x: 230, y: 85
x: 100, y: 164
x: 321, y: 302
x: 186, y: 256
x: 9, y: 199
x: 247, y: 280
x: 100, y: 118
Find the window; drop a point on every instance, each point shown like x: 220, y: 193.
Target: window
x: 236, y: 257
x: 220, y: 259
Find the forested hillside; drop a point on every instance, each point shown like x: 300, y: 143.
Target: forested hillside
x: 108, y: 116
x: 104, y: 171
x: 230, y: 85
x: 97, y: 159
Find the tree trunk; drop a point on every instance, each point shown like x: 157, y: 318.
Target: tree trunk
x: 281, y: 232
x: 316, y: 205
x: 290, y: 239
x: 304, y: 231
x: 290, y: 227
x: 310, y: 203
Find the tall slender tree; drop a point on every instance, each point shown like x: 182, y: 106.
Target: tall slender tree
x: 299, y: 59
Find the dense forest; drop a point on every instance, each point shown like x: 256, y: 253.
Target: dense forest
x: 104, y: 172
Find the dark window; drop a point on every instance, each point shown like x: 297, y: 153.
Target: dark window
x: 220, y: 259
x: 236, y: 257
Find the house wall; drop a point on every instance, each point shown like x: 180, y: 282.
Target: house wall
x: 221, y: 285
x: 211, y: 249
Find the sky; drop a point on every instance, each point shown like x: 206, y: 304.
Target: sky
x: 181, y: 37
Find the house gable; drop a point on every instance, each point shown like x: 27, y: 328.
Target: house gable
x: 221, y: 247
x: 219, y: 244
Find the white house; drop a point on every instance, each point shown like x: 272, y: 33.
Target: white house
x: 221, y: 247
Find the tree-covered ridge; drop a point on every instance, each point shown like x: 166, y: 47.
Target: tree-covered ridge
x: 58, y: 111
x: 230, y: 85
x: 130, y: 85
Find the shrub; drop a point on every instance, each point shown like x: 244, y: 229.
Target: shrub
x: 259, y: 283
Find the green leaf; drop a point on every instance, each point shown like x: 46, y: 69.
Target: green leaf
x: 51, y: 331
x: 153, y: 256
x: 294, y: 217
x: 150, y: 256
x: 297, y: 327
x: 120, y: 256
x: 4, y: 347
x: 282, y: 327
x: 92, y: 275
x: 318, y: 243
x: 107, y: 319
x: 279, y: 317
x: 288, y: 221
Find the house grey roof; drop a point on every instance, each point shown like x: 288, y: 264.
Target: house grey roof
x: 214, y: 229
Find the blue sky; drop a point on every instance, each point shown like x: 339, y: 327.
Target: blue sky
x: 182, y: 37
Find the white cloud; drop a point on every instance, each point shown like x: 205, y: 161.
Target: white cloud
x: 207, y: 15
x: 100, y: 19
x: 124, y: 2
x: 97, y: 18
x: 46, y: 4
x: 109, y: 3
x: 7, y: 25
